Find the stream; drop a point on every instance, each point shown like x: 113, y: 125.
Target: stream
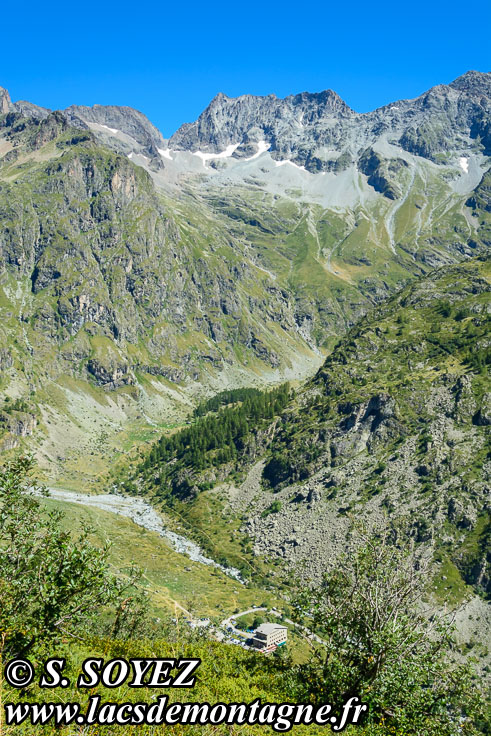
x: 141, y: 513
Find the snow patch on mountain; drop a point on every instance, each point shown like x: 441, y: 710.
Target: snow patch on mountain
x: 165, y: 153
x: 287, y: 161
x: 262, y: 147
x: 224, y: 154
x: 134, y: 155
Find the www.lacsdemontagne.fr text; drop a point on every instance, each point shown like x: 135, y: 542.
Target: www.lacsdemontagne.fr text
x: 279, y: 716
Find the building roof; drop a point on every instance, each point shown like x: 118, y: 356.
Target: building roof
x: 268, y: 628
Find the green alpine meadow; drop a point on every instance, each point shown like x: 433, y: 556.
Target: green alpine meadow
x: 245, y: 416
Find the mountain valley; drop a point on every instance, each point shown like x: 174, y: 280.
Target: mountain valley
x: 235, y: 253
x: 270, y: 323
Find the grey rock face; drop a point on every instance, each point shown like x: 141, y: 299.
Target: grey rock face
x: 6, y: 360
x: 483, y: 416
x: 111, y: 375
x: 28, y: 110
x: 473, y: 81
x: 112, y: 119
x: 313, y: 130
x: 380, y: 172
x: 5, y: 103
x: 230, y: 120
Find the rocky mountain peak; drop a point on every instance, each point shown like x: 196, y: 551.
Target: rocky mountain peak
x: 5, y: 102
x: 321, y: 133
x: 325, y: 101
x: 230, y: 120
x: 26, y: 109
x: 219, y: 99
x: 316, y: 131
x: 125, y: 128
x: 29, y: 110
x: 473, y: 82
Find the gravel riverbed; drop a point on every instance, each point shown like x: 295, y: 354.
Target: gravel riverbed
x: 143, y: 514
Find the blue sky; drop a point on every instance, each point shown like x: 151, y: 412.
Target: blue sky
x: 169, y: 60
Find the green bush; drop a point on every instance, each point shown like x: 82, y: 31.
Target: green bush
x: 381, y: 645
x: 273, y: 509
x: 51, y: 585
